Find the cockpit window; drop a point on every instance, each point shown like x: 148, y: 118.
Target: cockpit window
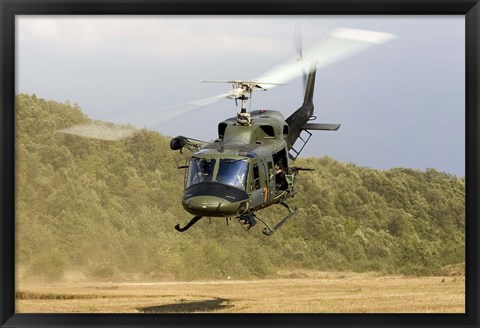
x: 200, y: 170
x: 233, y: 172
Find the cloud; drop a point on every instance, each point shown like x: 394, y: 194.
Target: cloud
x: 61, y: 31
x: 143, y: 37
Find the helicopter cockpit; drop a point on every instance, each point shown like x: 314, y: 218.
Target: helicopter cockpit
x: 233, y: 172
x: 230, y: 171
x: 200, y: 170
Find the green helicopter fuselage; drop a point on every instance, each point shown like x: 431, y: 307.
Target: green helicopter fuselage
x: 246, y: 168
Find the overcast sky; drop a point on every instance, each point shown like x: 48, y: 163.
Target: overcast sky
x: 401, y: 104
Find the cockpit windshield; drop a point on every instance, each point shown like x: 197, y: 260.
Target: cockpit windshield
x: 233, y: 172
x: 200, y: 170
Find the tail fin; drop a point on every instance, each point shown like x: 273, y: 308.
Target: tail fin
x: 302, y: 115
x: 309, y: 86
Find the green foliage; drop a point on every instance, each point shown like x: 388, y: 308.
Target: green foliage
x: 109, y: 207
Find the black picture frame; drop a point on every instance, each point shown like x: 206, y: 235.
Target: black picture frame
x: 10, y: 8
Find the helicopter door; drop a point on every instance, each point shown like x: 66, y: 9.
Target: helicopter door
x: 281, y: 170
x: 271, y: 181
x: 257, y: 191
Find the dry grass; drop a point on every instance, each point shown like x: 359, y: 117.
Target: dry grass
x: 312, y: 292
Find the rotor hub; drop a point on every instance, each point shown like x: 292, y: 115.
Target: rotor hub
x: 244, y: 118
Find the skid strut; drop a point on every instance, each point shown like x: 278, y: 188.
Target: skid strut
x: 189, y: 224
x: 269, y: 231
x: 247, y: 220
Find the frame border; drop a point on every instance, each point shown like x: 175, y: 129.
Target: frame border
x: 10, y: 8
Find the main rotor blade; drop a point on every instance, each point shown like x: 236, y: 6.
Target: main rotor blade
x: 101, y: 130
x: 166, y: 114
x: 341, y: 43
x: 111, y: 131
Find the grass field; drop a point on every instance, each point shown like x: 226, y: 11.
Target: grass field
x: 312, y: 292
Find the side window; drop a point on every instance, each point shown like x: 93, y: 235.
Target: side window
x: 256, y: 177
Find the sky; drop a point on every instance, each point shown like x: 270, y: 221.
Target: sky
x: 401, y: 104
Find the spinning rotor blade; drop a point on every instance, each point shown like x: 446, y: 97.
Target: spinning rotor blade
x: 101, y: 130
x: 165, y: 114
x: 111, y: 131
x: 341, y: 43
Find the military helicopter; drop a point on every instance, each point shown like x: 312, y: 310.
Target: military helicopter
x: 250, y: 165
x: 248, y: 168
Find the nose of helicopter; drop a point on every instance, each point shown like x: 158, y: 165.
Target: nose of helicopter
x: 214, y: 200
x: 210, y: 206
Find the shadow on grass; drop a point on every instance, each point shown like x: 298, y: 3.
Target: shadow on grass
x: 184, y: 306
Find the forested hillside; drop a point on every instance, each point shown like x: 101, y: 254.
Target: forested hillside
x: 108, y: 208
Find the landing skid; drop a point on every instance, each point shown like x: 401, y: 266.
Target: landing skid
x: 188, y: 225
x: 248, y: 220
x: 269, y: 231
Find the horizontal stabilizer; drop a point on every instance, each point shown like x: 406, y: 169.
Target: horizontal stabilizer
x: 320, y: 126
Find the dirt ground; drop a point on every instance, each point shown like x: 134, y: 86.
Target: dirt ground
x: 318, y: 292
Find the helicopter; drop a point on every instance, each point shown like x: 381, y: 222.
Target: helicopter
x: 250, y: 166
